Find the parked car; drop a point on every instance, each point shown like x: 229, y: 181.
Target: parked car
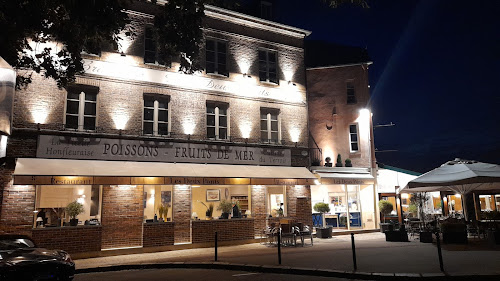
x: 20, y: 259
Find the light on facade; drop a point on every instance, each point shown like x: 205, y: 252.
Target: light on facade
x: 294, y: 134
x: 245, y: 129
x: 188, y: 126
x: 120, y: 118
x: 404, y: 195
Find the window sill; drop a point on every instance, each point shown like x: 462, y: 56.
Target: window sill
x: 217, y: 75
x: 267, y: 83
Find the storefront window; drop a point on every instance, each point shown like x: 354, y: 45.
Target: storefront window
x: 454, y: 203
x: 209, y: 197
x: 52, y: 201
x: 276, y: 201
x: 157, y: 203
x: 488, y: 202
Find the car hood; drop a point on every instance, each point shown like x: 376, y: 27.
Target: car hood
x: 30, y: 255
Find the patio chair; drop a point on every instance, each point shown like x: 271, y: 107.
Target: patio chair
x: 269, y: 234
x: 288, y: 235
x: 304, y: 233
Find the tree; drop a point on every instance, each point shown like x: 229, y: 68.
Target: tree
x: 31, y: 28
x: 419, y: 200
x: 385, y: 207
x: 337, y: 3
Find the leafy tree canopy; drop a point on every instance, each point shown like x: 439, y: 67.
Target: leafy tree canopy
x: 31, y: 28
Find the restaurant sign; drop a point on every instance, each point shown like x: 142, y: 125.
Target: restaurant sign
x: 64, y: 147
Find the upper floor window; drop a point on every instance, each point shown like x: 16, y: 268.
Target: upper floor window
x: 351, y: 94
x: 269, y: 125
x: 217, y: 121
x: 216, y: 57
x: 353, y: 137
x: 268, y: 66
x: 156, y: 117
x: 151, y: 53
x: 81, y: 108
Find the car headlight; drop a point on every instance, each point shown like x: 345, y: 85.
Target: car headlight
x: 66, y: 257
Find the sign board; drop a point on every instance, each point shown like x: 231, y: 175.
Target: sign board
x: 246, y: 87
x: 64, y: 147
x: 83, y: 180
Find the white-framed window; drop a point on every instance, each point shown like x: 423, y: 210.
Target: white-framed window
x: 156, y: 115
x: 351, y: 93
x: 269, y: 125
x: 216, y: 57
x: 276, y: 200
x: 268, y: 66
x: 151, y: 53
x: 217, y: 121
x: 81, y: 108
x: 354, y: 137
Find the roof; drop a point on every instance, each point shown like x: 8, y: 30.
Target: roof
x: 326, y: 54
x: 396, y: 169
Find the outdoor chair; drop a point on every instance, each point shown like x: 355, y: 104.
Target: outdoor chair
x: 269, y: 234
x: 305, y: 233
x: 288, y: 235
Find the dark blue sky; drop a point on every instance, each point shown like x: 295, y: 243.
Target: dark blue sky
x: 436, y: 73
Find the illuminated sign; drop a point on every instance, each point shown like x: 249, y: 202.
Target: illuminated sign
x: 60, y: 147
x: 244, y: 87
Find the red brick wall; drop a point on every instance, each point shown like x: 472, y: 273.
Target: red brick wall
x: 259, y: 212
x: 227, y: 230
x: 18, y: 204
x: 299, y: 203
x: 71, y: 239
x: 182, y: 213
x: 122, y: 215
x: 158, y: 234
x: 326, y: 89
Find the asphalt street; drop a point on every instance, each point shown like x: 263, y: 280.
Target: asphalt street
x: 193, y: 274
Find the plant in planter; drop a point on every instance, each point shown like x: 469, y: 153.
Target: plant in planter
x: 348, y: 162
x: 328, y: 161
x: 316, y: 162
x: 325, y: 231
x: 385, y: 208
x: 210, y: 209
x: 339, y: 161
x: 73, y: 209
x: 163, y: 211
x: 225, y: 207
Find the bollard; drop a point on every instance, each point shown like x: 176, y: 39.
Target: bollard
x: 353, y: 252
x: 216, y: 246
x: 438, y: 244
x: 279, y: 247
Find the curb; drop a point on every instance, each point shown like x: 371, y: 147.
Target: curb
x: 288, y: 270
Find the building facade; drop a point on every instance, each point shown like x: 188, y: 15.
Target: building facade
x: 147, y: 150
x: 341, y: 130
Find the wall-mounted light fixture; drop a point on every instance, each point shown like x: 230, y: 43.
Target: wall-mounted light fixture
x: 122, y: 54
x: 291, y: 83
x: 245, y: 75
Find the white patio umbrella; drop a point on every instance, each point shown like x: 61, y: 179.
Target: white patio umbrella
x: 460, y: 176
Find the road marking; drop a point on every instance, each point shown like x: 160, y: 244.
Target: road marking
x: 243, y: 274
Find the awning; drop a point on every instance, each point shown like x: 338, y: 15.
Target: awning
x: 59, y: 171
x: 346, y: 178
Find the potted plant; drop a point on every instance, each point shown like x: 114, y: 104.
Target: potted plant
x: 163, y: 211
x: 325, y: 231
x: 210, y: 209
x: 339, y: 161
x: 385, y: 208
x: 348, y: 162
x: 328, y: 161
x: 225, y: 207
x: 73, y: 209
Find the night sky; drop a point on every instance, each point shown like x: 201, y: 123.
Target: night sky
x: 436, y: 73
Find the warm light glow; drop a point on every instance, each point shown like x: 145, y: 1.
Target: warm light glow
x: 457, y: 194
x: 40, y: 111
x: 80, y: 192
x: 404, y: 195
x: 245, y: 129
x: 188, y: 125
x: 316, y: 182
x: 445, y: 198
x: 3, y: 145
x: 364, y: 113
x: 244, y: 65
x: 288, y: 74
x: 294, y: 134
x: 120, y: 118
x: 398, y: 201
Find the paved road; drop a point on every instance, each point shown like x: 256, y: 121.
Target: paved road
x: 192, y: 274
x: 374, y: 254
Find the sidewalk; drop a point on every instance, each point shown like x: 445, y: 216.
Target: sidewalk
x: 374, y: 255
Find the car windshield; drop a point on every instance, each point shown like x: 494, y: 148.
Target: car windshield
x: 16, y: 243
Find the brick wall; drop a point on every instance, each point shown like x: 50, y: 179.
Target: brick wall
x: 259, y: 212
x: 326, y: 91
x: 122, y: 215
x: 227, y: 230
x: 71, y: 239
x: 181, y: 212
x: 158, y: 234
x: 299, y: 203
x: 18, y: 204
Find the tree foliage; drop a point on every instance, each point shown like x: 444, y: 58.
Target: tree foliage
x: 31, y: 28
x: 321, y: 207
x: 337, y: 3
